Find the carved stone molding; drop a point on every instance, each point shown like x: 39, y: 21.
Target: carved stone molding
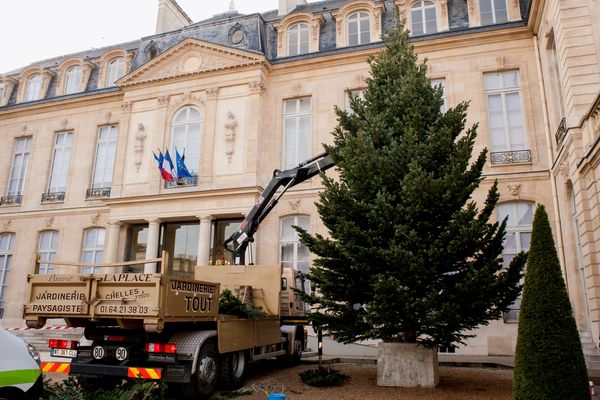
x: 230, y: 127
x: 514, y: 189
x: 24, y: 129
x: 63, y: 123
x: 49, y: 222
x: 95, y: 218
x: 212, y: 93
x: 7, y: 224
x: 294, y: 204
x: 163, y: 101
x: 189, y: 97
x: 126, y: 107
x: 256, y: 87
x: 297, y: 89
x: 563, y: 170
x: 107, y: 117
x: 444, y: 7
x: 138, y: 147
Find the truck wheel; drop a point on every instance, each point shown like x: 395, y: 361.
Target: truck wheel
x: 204, y: 380
x: 233, y: 369
x: 292, y: 359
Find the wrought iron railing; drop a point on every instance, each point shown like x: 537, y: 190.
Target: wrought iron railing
x: 182, y: 182
x: 53, y: 197
x: 511, y: 157
x: 98, y: 193
x: 561, y: 131
x: 11, y: 200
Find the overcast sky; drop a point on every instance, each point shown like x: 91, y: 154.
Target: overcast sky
x: 34, y: 30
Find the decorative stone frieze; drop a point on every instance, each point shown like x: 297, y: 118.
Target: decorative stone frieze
x: 126, y: 107
x: 230, y: 127
x: 138, y: 147
x: 256, y: 87
x: 514, y: 189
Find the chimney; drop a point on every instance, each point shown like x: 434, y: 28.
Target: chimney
x: 170, y: 16
x: 285, y: 6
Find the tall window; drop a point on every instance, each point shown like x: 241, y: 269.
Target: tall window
x: 185, y: 137
x: 116, y: 69
x: 73, y: 80
x: 6, y: 247
x: 556, y: 70
x: 20, y: 163
x: 442, y: 84
x: 518, y: 238
x: 47, y: 244
x: 298, y: 39
x: 93, y: 249
x: 105, y: 157
x: 60, y: 162
x: 493, y: 11
x: 504, y: 111
x: 359, y: 28
x: 422, y: 15
x: 293, y: 253
x: 33, y: 89
x: 297, y: 131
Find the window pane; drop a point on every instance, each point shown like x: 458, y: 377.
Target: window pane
x: 492, y: 81
x: 105, y: 157
x: 501, y: 13
x: 73, y: 80
x: 60, y: 162
x: 19, y: 166
x: 485, y: 7
x: 430, y: 22
x: 33, y: 88
x: 525, y: 211
x: 185, y: 137
x: 525, y: 240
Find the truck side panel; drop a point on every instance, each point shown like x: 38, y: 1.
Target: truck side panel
x: 242, y: 334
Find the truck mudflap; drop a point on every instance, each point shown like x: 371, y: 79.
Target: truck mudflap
x: 175, y: 373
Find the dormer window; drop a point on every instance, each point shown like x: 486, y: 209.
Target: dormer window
x: 423, y: 18
x: 359, y: 28
x: 34, y: 85
x: 115, y: 70
x: 493, y: 11
x: 73, y: 80
x: 298, y: 39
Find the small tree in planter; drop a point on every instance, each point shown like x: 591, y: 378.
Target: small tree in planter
x: 549, y: 362
x: 409, y: 258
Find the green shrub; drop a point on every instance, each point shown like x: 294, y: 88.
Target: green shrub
x: 323, y: 377
x: 71, y: 389
x: 549, y: 362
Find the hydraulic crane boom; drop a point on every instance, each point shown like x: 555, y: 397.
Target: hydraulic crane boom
x: 238, y: 242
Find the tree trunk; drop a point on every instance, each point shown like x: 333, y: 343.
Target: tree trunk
x: 407, y: 365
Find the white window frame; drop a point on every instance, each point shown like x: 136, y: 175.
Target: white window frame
x: 494, y: 13
x: 300, y: 153
x: 301, y: 44
x: 441, y: 81
x: 106, y: 147
x: 61, y: 159
x: 33, y: 87
x: 421, y: 7
x: 189, y: 133
x: 298, y: 220
x: 503, y: 92
x: 19, y: 166
x: 7, y: 241
x: 47, y: 246
x: 359, y: 18
x: 73, y: 79
x: 115, y: 69
x: 93, y: 254
x: 512, y: 315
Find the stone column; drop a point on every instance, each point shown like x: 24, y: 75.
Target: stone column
x: 204, y: 239
x: 112, y: 246
x: 152, y: 245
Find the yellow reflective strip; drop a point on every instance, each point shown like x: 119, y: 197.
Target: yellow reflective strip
x: 62, y: 367
x: 154, y: 374
x: 134, y: 373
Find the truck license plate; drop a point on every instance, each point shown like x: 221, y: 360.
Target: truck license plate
x: 63, y: 353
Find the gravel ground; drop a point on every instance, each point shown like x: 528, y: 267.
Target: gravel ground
x: 455, y: 384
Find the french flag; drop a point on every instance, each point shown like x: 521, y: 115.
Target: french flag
x: 160, y: 159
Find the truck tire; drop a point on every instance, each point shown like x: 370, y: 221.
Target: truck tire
x: 233, y: 369
x: 204, y: 381
x: 292, y: 359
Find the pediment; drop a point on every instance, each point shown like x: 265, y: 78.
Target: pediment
x: 191, y: 57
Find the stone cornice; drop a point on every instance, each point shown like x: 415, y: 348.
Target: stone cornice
x: 208, y: 58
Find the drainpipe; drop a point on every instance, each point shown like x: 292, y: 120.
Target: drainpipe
x: 559, y: 236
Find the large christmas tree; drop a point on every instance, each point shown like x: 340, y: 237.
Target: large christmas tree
x: 409, y: 256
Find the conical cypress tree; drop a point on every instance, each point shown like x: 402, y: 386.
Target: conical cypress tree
x: 409, y: 256
x: 549, y: 363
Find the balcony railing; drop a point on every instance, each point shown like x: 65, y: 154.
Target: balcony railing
x: 511, y: 157
x: 182, y: 182
x: 561, y: 132
x: 11, y: 200
x: 97, y: 193
x: 53, y: 197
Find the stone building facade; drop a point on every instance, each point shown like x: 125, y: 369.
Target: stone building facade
x: 243, y: 95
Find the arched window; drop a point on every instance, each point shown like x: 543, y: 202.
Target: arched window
x: 359, y: 28
x: 518, y: 237
x: 423, y: 19
x: 493, y: 11
x: 293, y: 253
x: 185, y: 137
x: 33, y: 89
x: 7, y: 241
x: 73, y: 80
x: 115, y: 70
x: 93, y: 248
x: 47, y: 244
x: 298, y: 39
